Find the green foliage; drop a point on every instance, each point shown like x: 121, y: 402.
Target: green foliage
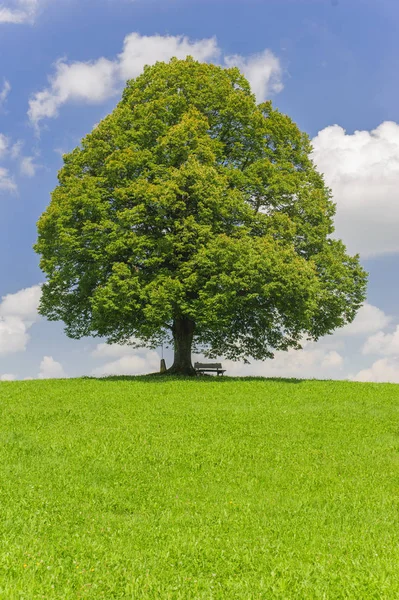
x: 108, y: 490
x: 190, y: 201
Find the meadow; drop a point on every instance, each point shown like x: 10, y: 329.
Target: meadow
x: 211, y: 488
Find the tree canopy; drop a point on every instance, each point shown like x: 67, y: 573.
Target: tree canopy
x: 192, y: 214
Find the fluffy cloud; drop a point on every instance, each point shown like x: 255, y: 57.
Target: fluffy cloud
x: 314, y: 360
x: 362, y: 170
x: 4, y: 142
x: 95, y: 81
x: 7, y: 182
x: 86, y: 82
x: 386, y: 344
x: 7, y: 377
x: 127, y: 361
x: 18, y: 11
x: 262, y: 70
x: 51, y: 369
x: 13, y: 335
x: 112, y: 351
x: 139, y: 51
x: 368, y: 320
x: 4, y: 92
x: 383, y: 370
x: 27, y: 166
x: 23, y: 304
x: 18, y: 312
x: 15, y: 150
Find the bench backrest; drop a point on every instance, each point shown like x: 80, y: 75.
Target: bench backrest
x: 207, y: 365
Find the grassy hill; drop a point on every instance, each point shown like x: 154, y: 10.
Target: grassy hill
x: 199, y: 489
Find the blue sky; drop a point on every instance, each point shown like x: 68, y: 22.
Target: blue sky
x: 330, y: 64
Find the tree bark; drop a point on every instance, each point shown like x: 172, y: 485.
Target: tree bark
x: 183, y: 333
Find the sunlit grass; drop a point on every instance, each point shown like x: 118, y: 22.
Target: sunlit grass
x: 199, y: 489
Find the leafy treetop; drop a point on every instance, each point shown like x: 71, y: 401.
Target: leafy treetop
x: 191, y: 212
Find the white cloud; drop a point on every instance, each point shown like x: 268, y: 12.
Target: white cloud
x: 368, y: 320
x: 386, y: 344
x: 314, y: 360
x: 7, y: 377
x: 7, y: 183
x: 23, y: 304
x: 130, y: 363
x: 262, y: 70
x: 18, y: 11
x: 4, y: 92
x: 362, y: 170
x: 332, y: 359
x: 383, y: 370
x: 51, y: 369
x: 18, y: 312
x: 3, y: 144
x: 86, y: 82
x: 16, y: 149
x: 95, y: 81
x: 13, y: 335
x: 112, y: 351
x: 28, y: 167
x: 139, y: 51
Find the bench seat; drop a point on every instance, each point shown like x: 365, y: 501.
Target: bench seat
x: 209, y: 367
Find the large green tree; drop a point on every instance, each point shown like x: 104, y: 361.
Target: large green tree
x: 193, y: 215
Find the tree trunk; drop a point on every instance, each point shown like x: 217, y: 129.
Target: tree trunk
x: 183, y: 332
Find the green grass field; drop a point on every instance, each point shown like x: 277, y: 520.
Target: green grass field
x: 199, y: 489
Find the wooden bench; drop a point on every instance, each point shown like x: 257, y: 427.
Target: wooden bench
x: 213, y: 367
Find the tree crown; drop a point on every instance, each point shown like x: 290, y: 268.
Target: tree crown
x: 191, y: 201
